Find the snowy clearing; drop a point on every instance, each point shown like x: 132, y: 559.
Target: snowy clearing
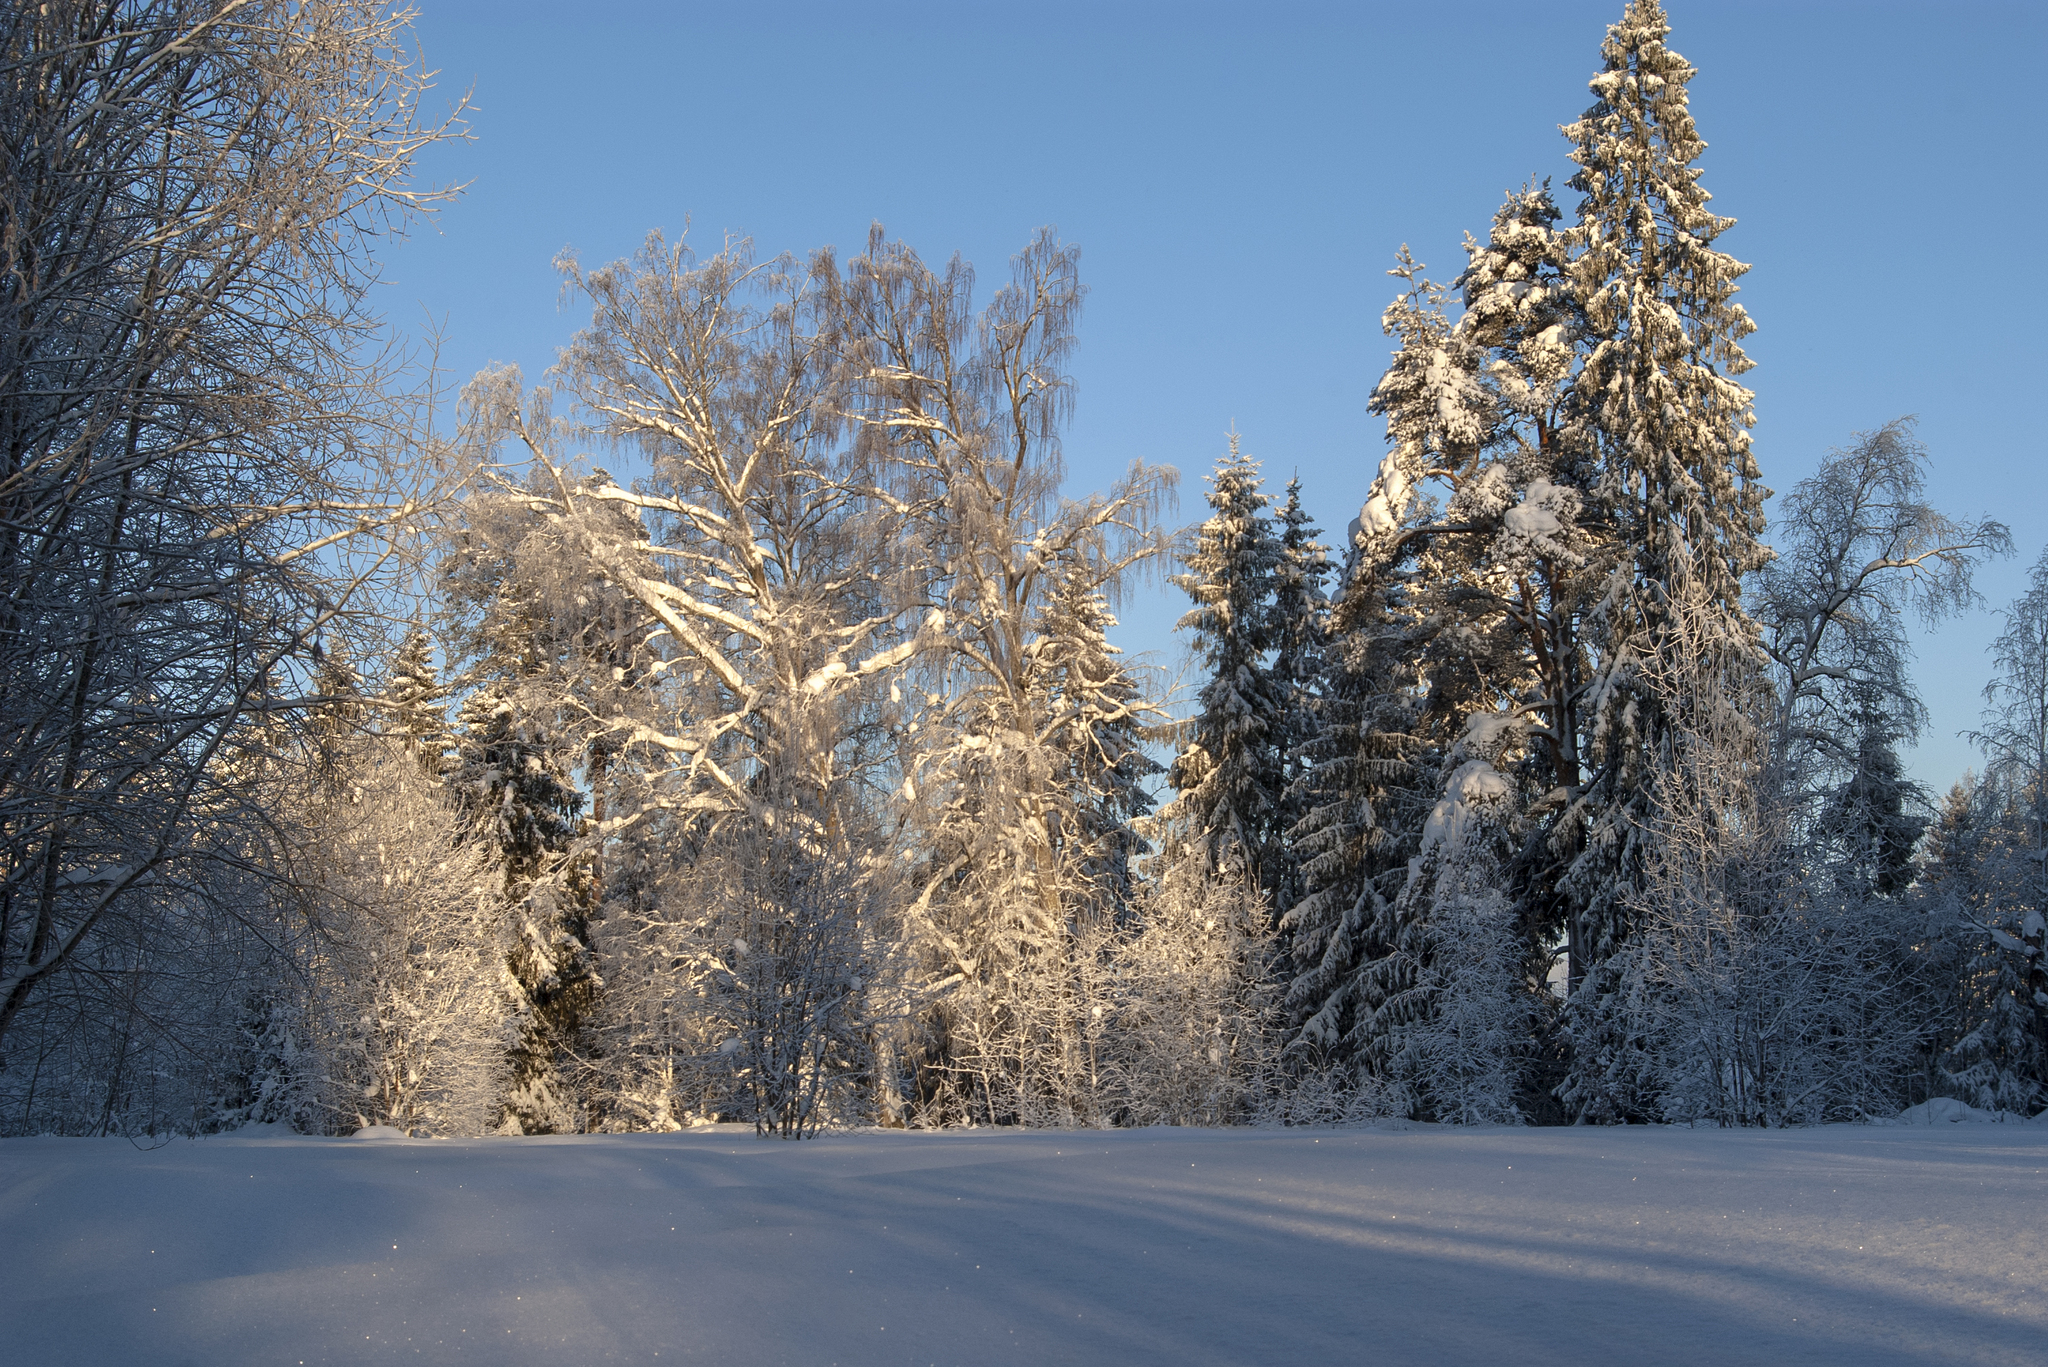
x: 1843, y: 1245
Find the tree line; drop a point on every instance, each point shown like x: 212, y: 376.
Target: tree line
x: 363, y: 769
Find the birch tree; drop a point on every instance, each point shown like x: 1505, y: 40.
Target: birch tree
x: 1859, y: 551
x: 965, y: 410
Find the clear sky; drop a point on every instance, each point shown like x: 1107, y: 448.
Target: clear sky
x: 1239, y: 177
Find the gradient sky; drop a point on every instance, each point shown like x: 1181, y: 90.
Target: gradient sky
x: 1239, y: 177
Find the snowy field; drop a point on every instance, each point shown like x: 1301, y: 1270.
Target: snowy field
x: 1845, y: 1245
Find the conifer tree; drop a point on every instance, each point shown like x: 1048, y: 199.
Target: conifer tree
x: 1094, y: 717
x: 1230, y: 777
x: 1301, y: 612
x: 514, y: 784
x: 1873, y: 821
x: 1657, y: 403
x: 414, y: 705
x: 1359, y: 797
x: 1454, y: 1013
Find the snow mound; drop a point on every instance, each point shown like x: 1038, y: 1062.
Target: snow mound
x: 379, y: 1132
x: 1946, y: 1110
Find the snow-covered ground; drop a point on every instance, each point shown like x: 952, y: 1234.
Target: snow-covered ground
x: 1871, y: 1246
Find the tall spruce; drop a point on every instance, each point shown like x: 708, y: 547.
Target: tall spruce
x: 514, y: 784
x: 1301, y: 613
x: 413, y: 708
x: 1359, y: 800
x: 1092, y: 718
x: 1230, y: 776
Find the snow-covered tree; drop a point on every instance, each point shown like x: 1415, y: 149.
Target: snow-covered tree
x: 1998, y: 905
x: 412, y: 1014
x: 195, y: 483
x: 964, y: 411
x: 412, y: 709
x: 1870, y: 825
x: 1454, y: 1007
x: 1301, y: 623
x: 1858, y: 550
x: 513, y: 786
x: 1092, y: 718
x: 1355, y: 836
x: 1231, y: 775
x: 1194, y: 1036
x: 1659, y: 402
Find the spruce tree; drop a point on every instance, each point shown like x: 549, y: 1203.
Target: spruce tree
x: 515, y: 787
x: 1230, y: 776
x: 1093, y: 721
x: 414, y: 705
x: 1360, y: 801
x: 1301, y: 611
x: 1872, y: 822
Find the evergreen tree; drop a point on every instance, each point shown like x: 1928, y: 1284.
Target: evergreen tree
x: 1454, y: 1020
x: 1656, y: 399
x: 2000, y: 1062
x: 514, y: 785
x: 1301, y: 611
x: 1093, y: 721
x: 1359, y: 797
x: 1230, y: 777
x: 414, y: 705
x: 1872, y: 822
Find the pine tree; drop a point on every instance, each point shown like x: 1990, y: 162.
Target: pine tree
x: 1231, y: 777
x: 1656, y: 400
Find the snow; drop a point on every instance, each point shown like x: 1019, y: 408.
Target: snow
x: 1536, y: 518
x: 1878, y: 1246
x: 1476, y: 784
x: 1392, y: 491
x: 1946, y: 1110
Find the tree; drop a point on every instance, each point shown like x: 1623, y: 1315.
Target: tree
x: 1230, y: 776
x: 197, y: 472
x: 1677, y: 481
x: 1858, y: 549
x: 1354, y: 838
x: 522, y: 806
x: 413, y: 708
x: 405, y: 1018
x: 1093, y: 720
x: 2000, y: 1061
x: 1867, y: 832
x: 964, y: 413
x: 1194, y: 1038
x: 1454, y: 1015
x: 1301, y: 613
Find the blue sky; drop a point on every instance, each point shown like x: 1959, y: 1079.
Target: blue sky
x: 1239, y: 177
